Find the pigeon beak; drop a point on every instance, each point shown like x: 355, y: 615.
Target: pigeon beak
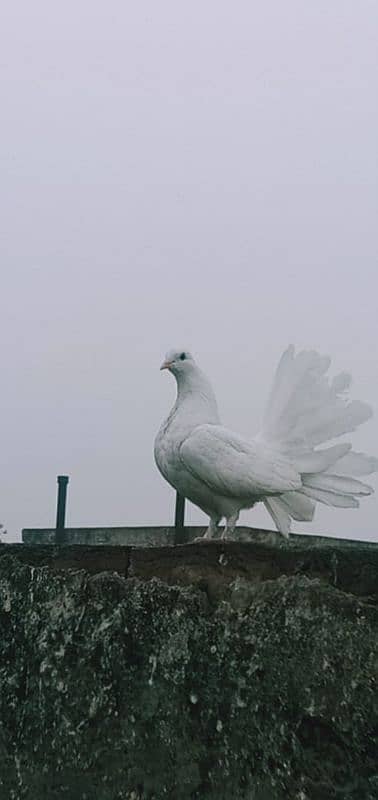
x: 166, y: 365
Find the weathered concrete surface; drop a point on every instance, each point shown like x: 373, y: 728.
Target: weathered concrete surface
x: 155, y: 536
x: 138, y: 536
x: 241, y: 671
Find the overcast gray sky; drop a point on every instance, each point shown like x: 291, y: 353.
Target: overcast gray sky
x: 200, y: 174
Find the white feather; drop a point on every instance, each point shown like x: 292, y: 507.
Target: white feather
x: 337, y: 484
x: 300, y: 507
x: 330, y: 498
x: 357, y: 464
x: 320, y: 460
x: 279, y: 515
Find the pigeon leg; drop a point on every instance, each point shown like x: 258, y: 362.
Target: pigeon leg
x: 230, y: 526
x: 212, y: 530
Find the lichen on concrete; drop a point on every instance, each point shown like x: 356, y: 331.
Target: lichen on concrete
x: 116, y: 688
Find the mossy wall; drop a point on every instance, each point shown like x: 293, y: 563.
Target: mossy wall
x: 113, y: 687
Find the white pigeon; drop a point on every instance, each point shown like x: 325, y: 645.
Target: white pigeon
x: 222, y: 473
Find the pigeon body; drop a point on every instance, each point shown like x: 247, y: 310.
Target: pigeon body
x: 223, y: 473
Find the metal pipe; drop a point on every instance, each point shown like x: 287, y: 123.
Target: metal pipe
x: 179, y: 516
x: 61, y: 507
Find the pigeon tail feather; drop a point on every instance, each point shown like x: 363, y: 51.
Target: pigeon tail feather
x: 307, y: 409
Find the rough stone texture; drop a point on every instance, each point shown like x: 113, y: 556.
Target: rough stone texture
x: 210, y: 671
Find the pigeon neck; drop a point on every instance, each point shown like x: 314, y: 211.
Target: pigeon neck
x: 193, y: 387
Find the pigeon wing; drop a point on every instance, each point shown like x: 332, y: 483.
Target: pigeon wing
x: 233, y: 467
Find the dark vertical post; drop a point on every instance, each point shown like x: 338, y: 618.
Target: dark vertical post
x: 179, y: 518
x: 61, y: 507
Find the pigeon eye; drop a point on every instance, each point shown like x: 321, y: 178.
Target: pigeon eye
x: 182, y: 357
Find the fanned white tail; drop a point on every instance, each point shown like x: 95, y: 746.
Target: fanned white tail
x: 306, y: 409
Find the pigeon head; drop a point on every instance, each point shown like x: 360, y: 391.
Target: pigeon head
x: 178, y: 361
